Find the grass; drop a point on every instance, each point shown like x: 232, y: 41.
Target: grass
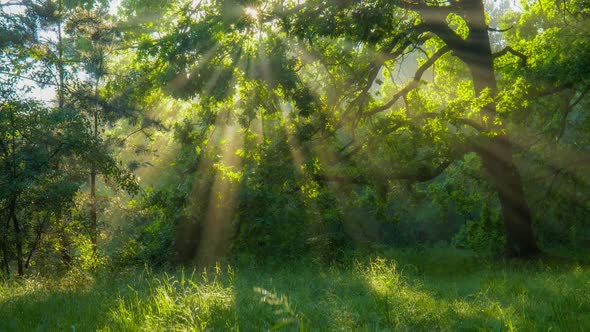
x: 438, y: 289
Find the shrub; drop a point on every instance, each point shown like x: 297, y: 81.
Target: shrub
x: 484, y: 236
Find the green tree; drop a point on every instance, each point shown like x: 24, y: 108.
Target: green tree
x: 47, y: 150
x: 330, y: 67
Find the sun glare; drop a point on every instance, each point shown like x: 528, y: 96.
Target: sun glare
x: 253, y: 13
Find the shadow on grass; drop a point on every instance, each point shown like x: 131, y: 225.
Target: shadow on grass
x: 76, y: 302
x: 537, y: 294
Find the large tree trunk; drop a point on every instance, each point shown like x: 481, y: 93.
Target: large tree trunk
x: 494, y: 147
x: 496, y: 155
x: 496, y: 150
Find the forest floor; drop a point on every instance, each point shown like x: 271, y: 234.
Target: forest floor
x: 436, y: 289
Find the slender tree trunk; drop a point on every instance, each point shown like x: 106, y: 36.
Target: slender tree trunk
x: 64, y: 249
x: 37, y: 239
x: 18, y: 238
x: 93, y: 213
x: 93, y: 173
x: 60, y: 62
x: 5, y: 264
x: 12, y: 204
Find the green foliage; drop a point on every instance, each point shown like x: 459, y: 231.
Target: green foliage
x: 485, y: 236
x: 150, y: 232
x: 47, y: 150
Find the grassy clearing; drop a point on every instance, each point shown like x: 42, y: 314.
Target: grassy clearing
x: 434, y: 290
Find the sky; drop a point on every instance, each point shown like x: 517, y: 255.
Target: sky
x: 46, y: 94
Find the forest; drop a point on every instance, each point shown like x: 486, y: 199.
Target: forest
x: 309, y: 165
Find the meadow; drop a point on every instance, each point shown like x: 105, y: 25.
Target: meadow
x: 434, y: 289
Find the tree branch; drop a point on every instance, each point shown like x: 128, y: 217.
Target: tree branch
x: 386, y: 53
x: 499, y: 30
x: 434, y: 19
x: 412, y: 175
x: 412, y: 85
x: 567, y: 111
x: 514, y: 52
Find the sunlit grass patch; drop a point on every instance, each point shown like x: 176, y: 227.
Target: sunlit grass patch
x: 175, y: 303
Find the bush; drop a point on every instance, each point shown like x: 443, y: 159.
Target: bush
x: 150, y: 234
x: 484, y: 236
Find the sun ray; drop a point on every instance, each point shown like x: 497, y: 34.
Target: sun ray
x: 182, y: 78
x: 218, y: 223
